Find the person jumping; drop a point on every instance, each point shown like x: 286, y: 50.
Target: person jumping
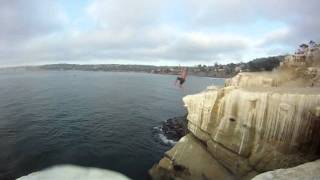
x: 182, y: 77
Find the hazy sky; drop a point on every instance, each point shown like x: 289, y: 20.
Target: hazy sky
x: 159, y: 32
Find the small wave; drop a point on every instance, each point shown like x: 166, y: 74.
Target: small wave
x: 158, y: 128
x: 163, y: 137
x: 167, y: 141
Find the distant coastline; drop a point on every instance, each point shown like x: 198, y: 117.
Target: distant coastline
x: 215, y: 71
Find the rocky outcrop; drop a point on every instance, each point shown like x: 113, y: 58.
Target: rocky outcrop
x: 175, y: 128
x: 72, y: 172
x: 258, y: 122
x: 307, y: 171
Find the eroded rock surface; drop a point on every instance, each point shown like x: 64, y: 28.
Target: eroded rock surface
x: 256, y: 130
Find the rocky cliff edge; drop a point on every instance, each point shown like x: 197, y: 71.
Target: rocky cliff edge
x: 258, y: 122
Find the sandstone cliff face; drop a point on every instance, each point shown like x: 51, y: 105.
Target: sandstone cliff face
x: 258, y: 122
x: 256, y: 130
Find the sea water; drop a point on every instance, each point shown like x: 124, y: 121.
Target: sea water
x: 91, y: 119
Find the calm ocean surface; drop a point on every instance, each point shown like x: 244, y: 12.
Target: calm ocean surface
x: 94, y: 119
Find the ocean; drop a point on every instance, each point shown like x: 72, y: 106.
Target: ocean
x: 91, y: 119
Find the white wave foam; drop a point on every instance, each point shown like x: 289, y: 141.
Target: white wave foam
x: 158, y: 128
x: 167, y: 141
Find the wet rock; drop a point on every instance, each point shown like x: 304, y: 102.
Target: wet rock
x: 175, y: 128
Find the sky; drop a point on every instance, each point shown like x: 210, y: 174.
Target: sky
x: 155, y: 32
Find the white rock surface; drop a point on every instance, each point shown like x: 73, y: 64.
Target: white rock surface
x: 71, y: 172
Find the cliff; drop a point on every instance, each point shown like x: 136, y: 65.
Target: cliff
x: 258, y: 122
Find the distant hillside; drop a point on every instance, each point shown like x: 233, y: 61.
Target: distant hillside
x: 217, y: 70
x: 264, y: 64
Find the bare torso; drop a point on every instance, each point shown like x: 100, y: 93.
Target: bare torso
x: 184, y: 73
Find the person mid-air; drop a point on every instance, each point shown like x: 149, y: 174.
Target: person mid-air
x: 182, y: 77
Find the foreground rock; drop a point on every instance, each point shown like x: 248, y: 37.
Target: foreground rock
x: 71, y: 172
x: 257, y: 123
x: 189, y: 159
x: 307, y: 171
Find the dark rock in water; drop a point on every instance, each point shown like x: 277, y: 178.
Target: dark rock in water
x: 175, y: 128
